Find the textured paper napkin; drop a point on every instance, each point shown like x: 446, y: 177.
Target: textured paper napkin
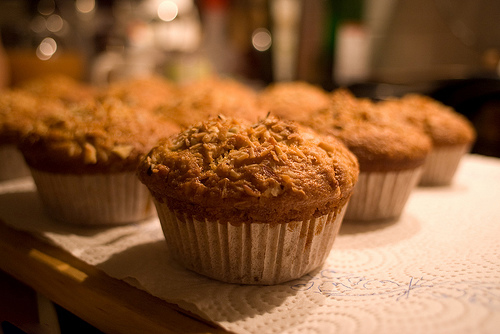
x: 434, y: 270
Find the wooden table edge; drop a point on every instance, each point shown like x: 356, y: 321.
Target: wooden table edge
x: 109, y: 304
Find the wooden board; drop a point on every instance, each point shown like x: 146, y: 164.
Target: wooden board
x: 111, y: 305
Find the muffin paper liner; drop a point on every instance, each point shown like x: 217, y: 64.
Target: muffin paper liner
x: 381, y: 195
x: 441, y: 165
x: 249, y: 253
x: 12, y: 164
x: 94, y: 199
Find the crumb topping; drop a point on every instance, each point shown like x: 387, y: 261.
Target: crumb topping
x: 92, y: 138
x: 379, y: 141
x: 270, y: 170
x: 19, y: 110
x: 59, y: 87
x: 148, y: 92
x: 441, y: 123
x: 293, y: 100
x: 199, y: 100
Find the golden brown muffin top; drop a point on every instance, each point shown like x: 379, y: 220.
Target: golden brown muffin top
x: 15, y: 105
x: 18, y: 111
x: 441, y: 123
x: 293, y: 100
x: 379, y: 143
x: 59, y: 87
x: 144, y: 92
x: 209, y: 97
x: 234, y: 171
x: 98, y: 137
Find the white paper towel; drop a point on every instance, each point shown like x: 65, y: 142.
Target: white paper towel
x: 435, y: 270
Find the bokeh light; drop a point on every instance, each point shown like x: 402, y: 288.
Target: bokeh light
x: 55, y: 23
x: 167, y: 11
x: 46, y: 49
x: 261, y: 39
x: 85, y: 6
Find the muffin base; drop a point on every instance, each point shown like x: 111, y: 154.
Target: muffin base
x: 94, y: 199
x: 441, y: 165
x: 381, y: 195
x: 12, y: 164
x: 249, y: 253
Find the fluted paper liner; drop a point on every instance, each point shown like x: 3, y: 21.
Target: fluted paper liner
x: 441, y: 165
x: 12, y: 164
x: 249, y: 253
x: 94, y: 199
x: 381, y: 195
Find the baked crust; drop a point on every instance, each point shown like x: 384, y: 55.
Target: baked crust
x: 230, y: 170
x: 59, y: 87
x: 97, y: 137
x: 210, y: 97
x: 149, y: 92
x: 293, y: 100
x: 19, y: 110
x: 379, y: 142
x: 441, y: 123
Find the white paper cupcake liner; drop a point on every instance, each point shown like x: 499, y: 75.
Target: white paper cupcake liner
x: 94, y: 199
x: 441, y: 165
x: 249, y: 253
x: 381, y: 195
x: 12, y: 164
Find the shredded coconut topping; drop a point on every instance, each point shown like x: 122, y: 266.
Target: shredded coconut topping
x: 250, y: 164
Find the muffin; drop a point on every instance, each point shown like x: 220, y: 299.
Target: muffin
x: 23, y: 105
x: 451, y: 133
x: 293, y: 100
x: 250, y: 203
x: 148, y: 92
x: 391, y: 154
x: 199, y: 100
x: 83, y: 162
x: 59, y: 87
x: 18, y: 111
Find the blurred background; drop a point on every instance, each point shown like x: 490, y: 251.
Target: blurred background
x: 449, y: 49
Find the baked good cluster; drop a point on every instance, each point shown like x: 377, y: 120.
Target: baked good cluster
x: 250, y: 186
